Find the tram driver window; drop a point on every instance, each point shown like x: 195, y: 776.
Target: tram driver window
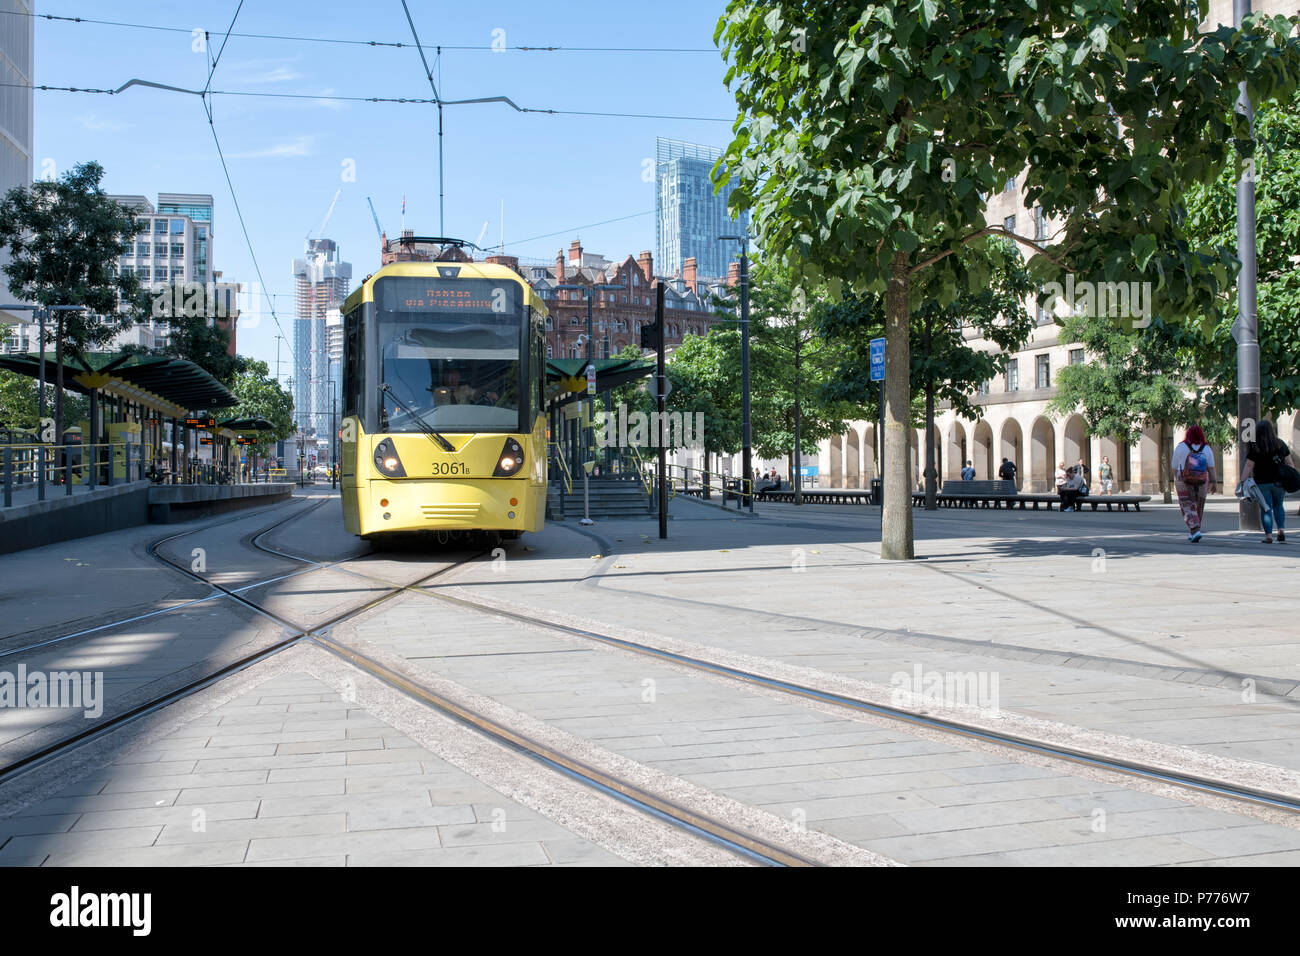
x: 454, y: 368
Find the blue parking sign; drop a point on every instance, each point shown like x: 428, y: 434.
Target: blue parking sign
x: 877, y: 360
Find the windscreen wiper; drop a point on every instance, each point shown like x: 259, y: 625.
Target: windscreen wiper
x: 419, y: 419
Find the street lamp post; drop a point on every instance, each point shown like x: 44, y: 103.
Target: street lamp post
x: 746, y: 450
x: 1246, y: 330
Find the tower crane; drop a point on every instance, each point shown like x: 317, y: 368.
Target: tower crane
x: 324, y: 222
x: 375, y: 216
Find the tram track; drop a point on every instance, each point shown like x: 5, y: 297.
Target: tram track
x: 1157, y: 774
x: 748, y: 846
x: 292, y: 635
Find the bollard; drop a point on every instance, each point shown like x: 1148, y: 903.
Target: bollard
x: 67, y: 473
x: 40, y: 479
x: 9, y: 476
x: 110, y: 466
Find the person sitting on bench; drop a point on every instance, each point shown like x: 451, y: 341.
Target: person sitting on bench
x: 1072, y: 490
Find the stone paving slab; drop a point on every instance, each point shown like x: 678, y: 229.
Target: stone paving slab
x: 1151, y: 645
x: 918, y: 800
x: 295, y: 801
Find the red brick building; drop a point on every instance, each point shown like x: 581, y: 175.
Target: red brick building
x: 618, y: 314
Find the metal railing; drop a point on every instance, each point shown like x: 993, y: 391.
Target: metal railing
x: 742, y: 489
x: 28, y: 465
x: 642, y: 470
x: 557, y: 455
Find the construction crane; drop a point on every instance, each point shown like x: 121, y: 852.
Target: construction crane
x: 324, y: 222
x: 375, y: 216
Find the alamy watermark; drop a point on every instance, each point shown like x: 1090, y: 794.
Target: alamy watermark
x: 624, y: 429
x: 79, y: 690
x: 945, y: 689
x: 1116, y: 300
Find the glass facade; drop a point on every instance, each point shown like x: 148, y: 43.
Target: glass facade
x: 689, y: 215
x: 17, y: 37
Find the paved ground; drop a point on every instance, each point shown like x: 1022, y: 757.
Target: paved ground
x: 1109, y: 624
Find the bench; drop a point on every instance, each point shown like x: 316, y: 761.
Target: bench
x: 818, y: 496
x: 996, y: 494
x: 1122, y: 502
x: 972, y: 494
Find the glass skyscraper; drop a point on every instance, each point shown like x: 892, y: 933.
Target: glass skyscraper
x: 321, y: 280
x: 17, y: 40
x: 689, y: 215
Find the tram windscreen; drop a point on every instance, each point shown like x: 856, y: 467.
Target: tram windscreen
x: 449, y: 350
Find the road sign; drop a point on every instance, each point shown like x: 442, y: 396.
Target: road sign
x: 652, y: 387
x: 877, y: 360
x: 591, y: 380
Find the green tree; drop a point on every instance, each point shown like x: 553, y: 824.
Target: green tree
x: 1134, y: 380
x: 193, y: 315
x: 64, y: 237
x: 260, y: 396
x: 790, y: 368
x: 944, y: 366
x: 1212, y: 220
x: 869, y: 136
x: 705, y: 377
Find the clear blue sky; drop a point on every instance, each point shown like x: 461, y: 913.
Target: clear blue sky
x: 286, y: 157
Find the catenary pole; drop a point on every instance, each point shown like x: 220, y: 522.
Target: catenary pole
x: 1246, y: 329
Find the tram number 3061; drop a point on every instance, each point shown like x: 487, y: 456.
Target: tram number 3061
x: 450, y: 468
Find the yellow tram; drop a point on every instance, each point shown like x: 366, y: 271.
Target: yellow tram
x: 444, y: 422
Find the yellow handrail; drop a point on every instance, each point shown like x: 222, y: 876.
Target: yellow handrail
x: 564, y: 468
x: 640, y: 469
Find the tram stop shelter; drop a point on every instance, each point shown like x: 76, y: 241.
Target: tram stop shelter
x: 138, y: 402
x: 566, y: 387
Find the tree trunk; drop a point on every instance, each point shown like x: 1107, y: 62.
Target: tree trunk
x: 58, y: 383
x: 1165, y: 454
x: 931, y: 472
x: 896, y: 521
x: 798, y: 451
x: 931, y: 490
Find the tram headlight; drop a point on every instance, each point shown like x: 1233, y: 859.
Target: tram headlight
x: 386, y: 459
x: 510, y: 460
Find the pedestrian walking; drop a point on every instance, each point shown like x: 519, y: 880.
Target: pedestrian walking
x: 1268, y: 461
x: 1193, y: 469
x: 1105, y: 475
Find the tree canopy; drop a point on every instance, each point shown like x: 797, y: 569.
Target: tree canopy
x: 260, y: 396
x: 1212, y: 220
x: 64, y: 237
x: 869, y: 137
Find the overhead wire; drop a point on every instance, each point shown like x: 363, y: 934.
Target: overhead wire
x: 234, y: 198
x: 552, y: 48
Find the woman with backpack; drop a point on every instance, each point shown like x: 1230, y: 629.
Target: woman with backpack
x: 1268, y: 460
x: 1193, y: 468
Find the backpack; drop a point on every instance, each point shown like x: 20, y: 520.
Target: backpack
x: 1196, y: 467
x: 1287, y: 476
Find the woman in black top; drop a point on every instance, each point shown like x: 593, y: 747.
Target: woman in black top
x: 1267, y: 453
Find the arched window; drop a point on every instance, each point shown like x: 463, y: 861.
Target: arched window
x: 573, y: 351
x: 550, y: 352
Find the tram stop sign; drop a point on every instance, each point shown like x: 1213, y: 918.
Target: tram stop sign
x: 652, y: 386
x: 591, y: 379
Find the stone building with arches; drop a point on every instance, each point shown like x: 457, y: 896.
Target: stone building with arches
x: 1013, y: 421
